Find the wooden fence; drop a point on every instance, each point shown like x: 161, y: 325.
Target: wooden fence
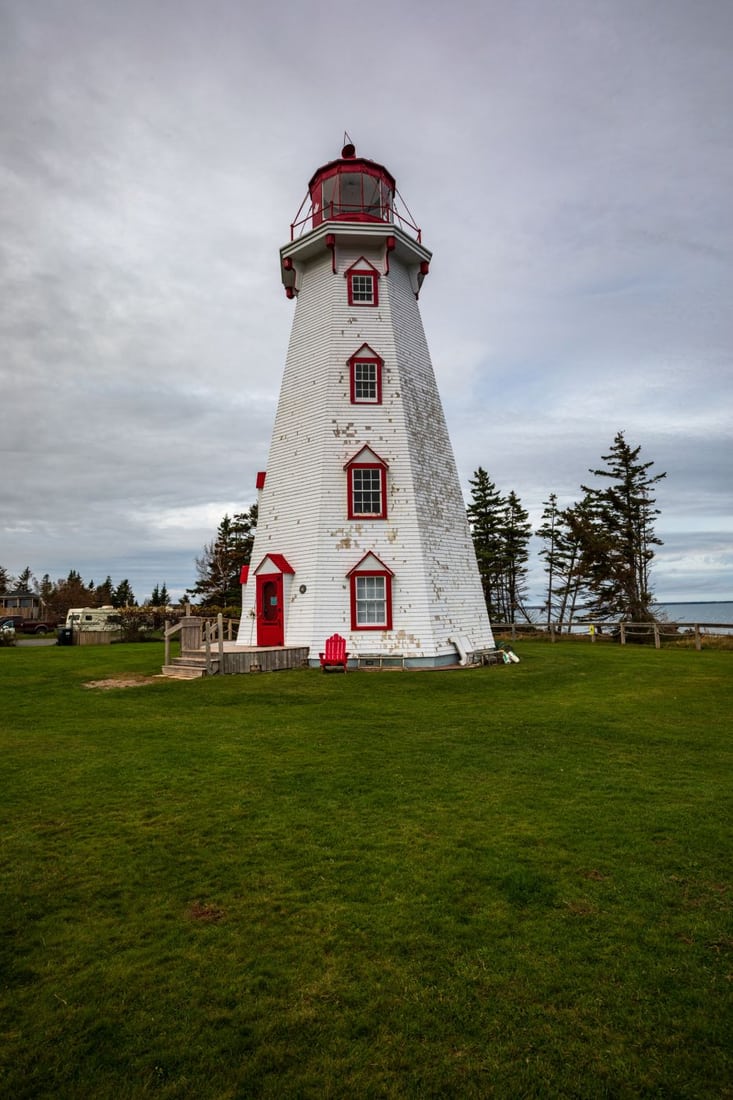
x: 612, y: 631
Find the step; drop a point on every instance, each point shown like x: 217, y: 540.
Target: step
x: 184, y: 672
x: 194, y: 659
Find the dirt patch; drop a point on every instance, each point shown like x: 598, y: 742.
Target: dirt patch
x: 205, y: 912
x: 120, y: 682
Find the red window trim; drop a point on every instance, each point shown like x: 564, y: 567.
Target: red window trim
x: 387, y: 575
x: 353, y: 514
x: 373, y: 274
x: 372, y: 357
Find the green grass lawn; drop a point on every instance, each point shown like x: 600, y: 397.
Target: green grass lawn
x: 508, y: 882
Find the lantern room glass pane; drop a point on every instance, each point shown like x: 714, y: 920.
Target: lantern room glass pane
x: 350, y: 193
x: 328, y: 196
x: 372, y: 197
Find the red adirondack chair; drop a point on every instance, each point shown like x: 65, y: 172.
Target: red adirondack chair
x: 335, y: 654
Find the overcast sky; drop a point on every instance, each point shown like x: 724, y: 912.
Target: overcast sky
x: 571, y: 166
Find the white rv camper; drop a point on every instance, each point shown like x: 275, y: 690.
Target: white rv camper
x: 90, y: 620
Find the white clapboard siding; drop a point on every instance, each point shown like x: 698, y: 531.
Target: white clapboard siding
x: 303, y: 514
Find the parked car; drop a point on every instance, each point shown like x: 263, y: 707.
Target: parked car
x: 27, y: 626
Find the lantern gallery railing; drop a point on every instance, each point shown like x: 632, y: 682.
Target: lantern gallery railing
x: 315, y: 214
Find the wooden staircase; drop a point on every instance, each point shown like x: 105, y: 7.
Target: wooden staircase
x: 208, y: 649
x: 189, y: 668
x: 195, y: 661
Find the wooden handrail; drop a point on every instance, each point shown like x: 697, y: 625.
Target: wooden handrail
x: 167, y: 635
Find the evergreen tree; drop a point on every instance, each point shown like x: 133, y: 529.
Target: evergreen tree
x: 574, y: 535
x: 561, y: 532
x: 25, y: 580
x: 486, y: 518
x: 517, y: 532
x: 7, y: 582
x: 104, y: 593
x: 548, y: 531
x: 220, y: 565
x: 159, y: 596
x: 618, y: 541
x: 45, y: 591
x: 123, y: 595
x: 71, y: 592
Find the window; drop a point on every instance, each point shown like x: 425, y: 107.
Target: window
x: 366, y: 475
x: 365, y: 370
x: 367, y: 491
x: 361, y: 281
x: 363, y: 288
x: 371, y: 601
x: 371, y: 595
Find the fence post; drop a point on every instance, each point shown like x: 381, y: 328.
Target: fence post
x: 220, y: 632
x: 657, y: 643
x: 514, y: 631
x: 167, y: 645
x: 622, y: 628
x: 552, y: 632
x: 698, y: 638
x: 207, y: 642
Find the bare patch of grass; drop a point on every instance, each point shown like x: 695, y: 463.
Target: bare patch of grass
x: 205, y: 912
x: 121, y: 681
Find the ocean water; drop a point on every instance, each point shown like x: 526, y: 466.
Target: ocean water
x: 713, y: 611
x: 709, y: 612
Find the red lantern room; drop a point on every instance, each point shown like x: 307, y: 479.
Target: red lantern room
x: 351, y: 189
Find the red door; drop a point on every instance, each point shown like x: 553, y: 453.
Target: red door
x: 270, y: 609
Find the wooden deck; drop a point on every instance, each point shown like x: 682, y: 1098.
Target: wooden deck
x: 208, y: 649
x: 229, y: 659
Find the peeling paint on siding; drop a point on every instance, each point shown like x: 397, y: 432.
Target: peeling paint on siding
x: 303, y: 506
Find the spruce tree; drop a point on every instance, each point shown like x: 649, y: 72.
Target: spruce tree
x: 25, y: 580
x: 549, y: 532
x: 517, y: 532
x: 104, y: 593
x: 46, y: 591
x: 576, y: 536
x: 220, y: 564
x: 124, y: 596
x: 486, y: 518
x: 71, y: 592
x: 618, y: 541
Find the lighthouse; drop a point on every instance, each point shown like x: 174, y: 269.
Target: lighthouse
x: 362, y: 527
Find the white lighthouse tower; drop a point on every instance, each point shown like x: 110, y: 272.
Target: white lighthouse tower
x: 362, y: 526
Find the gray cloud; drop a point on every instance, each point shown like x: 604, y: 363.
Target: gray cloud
x: 571, y: 166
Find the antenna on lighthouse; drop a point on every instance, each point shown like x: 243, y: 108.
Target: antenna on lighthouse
x: 349, y: 149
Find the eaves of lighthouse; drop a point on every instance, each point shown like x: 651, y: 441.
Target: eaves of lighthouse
x: 362, y: 526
